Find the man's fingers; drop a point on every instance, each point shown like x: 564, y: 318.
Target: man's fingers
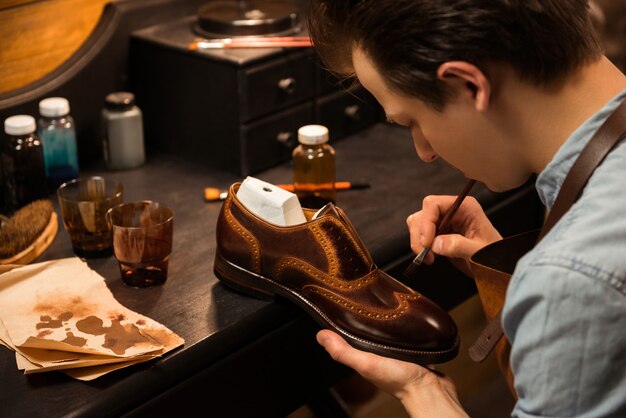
x: 455, y: 246
x: 343, y: 352
x: 421, y: 235
x: 389, y: 374
x: 422, y: 224
x: 433, y: 207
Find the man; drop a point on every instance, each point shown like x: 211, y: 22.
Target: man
x: 501, y: 90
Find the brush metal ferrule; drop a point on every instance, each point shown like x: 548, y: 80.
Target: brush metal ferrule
x: 419, y: 259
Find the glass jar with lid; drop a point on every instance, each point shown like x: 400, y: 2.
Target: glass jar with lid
x: 314, y: 167
x: 23, y: 164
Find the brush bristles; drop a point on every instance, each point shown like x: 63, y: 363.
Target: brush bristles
x: 410, y: 271
x: 23, y: 228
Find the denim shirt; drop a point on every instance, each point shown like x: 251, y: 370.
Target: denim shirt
x: 565, y: 309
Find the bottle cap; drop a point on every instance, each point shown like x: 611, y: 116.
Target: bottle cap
x: 20, y: 125
x: 54, y: 106
x: 120, y: 100
x: 313, y: 134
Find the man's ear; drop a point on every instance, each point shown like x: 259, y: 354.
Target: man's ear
x: 469, y: 79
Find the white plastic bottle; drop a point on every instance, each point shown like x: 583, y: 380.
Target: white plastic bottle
x: 123, y: 132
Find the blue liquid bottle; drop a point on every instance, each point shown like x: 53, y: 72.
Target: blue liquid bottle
x: 58, y: 135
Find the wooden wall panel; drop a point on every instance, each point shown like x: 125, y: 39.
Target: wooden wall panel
x: 38, y: 36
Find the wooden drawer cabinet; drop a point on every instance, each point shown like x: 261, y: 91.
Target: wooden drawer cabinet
x: 345, y: 113
x: 236, y: 110
x: 272, y: 86
x: 270, y: 141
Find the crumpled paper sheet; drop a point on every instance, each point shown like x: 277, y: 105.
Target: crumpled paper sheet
x: 60, y: 315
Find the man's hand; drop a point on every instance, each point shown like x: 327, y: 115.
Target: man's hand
x: 469, y: 230
x: 422, y: 391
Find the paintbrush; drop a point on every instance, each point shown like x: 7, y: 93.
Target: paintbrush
x: 441, y: 227
x: 251, y: 42
x: 212, y: 194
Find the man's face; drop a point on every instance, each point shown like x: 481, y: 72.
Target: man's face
x: 464, y: 137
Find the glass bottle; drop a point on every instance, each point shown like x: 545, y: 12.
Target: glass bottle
x: 58, y: 135
x: 314, y: 167
x: 22, y: 162
x: 123, y: 132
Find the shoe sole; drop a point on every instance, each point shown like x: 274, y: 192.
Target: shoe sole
x: 261, y: 287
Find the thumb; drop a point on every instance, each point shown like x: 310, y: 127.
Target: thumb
x: 343, y: 352
x: 455, y: 246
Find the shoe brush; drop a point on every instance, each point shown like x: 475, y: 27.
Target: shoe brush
x: 27, y: 233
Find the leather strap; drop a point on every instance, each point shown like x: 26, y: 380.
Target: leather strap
x: 604, y: 140
x: 488, y: 339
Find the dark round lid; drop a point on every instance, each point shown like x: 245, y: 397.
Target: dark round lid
x: 120, y: 100
x: 246, y: 18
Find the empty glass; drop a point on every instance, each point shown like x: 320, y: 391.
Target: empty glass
x: 142, y: 241
x: 84, y: 203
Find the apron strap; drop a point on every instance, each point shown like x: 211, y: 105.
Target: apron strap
x: 604, y: 140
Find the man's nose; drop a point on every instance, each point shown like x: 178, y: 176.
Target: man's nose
x: 424, y: 151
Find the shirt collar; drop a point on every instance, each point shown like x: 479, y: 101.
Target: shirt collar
x: 549, y: 181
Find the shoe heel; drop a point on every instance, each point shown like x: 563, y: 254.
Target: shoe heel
x: 240, y: 279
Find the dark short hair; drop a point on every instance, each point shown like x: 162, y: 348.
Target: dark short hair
x: 407, y: 40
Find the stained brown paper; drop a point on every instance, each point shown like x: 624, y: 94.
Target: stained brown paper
x: 60, y: 315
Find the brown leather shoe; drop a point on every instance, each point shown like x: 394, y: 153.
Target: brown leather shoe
x: 323, y: 267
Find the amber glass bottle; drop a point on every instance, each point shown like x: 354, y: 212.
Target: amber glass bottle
x: 314, y: 167
x: 23, y: 163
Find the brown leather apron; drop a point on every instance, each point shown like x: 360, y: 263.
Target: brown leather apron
x: 493, y: 265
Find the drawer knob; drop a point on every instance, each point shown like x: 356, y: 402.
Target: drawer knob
x: 353, y: 112
x: 287, y: 139
x: 288, y: 85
